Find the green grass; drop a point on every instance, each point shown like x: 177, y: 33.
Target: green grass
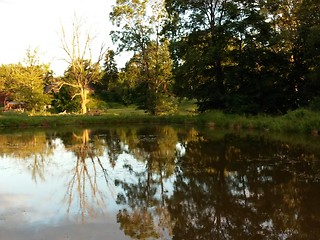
x: 187, y: 107
x: 111, y: 116
x: 298, y: 121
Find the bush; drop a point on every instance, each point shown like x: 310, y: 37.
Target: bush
x: 315, y: 104
x: 166, y: 105
x: 96, y: 104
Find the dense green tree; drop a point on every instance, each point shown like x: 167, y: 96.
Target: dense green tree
x: 108, y: 88
x: 245, y: 56
x: 257, y: 79
x: 222, y: 53
x: 284, y: 19
x: 63, y: 101
x: 129, y: 79
x: 110, y: 71
x: 308, y: 48
x: 153, y: 95
x: 26, y: 82
x: 198, y: 47
x: 139, y: 24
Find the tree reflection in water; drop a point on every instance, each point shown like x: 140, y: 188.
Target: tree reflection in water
x: 182, y: 183
x: 148, y: 216
x: 83, y: 187
x: 229, y: 187
x: 30, y: 149
x: 251, y: 193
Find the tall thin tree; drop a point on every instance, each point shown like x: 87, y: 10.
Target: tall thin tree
x: 82, y: 69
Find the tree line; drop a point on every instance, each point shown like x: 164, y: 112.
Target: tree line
x: 242, y: 56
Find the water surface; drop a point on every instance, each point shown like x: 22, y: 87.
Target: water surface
x: 158, y: 182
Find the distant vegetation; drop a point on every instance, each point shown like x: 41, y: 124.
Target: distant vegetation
x: 250, y: 58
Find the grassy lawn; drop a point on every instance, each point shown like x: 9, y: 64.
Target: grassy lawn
x: 115, y: 115
x: 298, y: 121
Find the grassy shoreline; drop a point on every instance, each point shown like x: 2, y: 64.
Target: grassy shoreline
x: 298, y: 121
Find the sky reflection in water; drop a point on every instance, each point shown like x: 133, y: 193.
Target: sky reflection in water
x: 157, y: 182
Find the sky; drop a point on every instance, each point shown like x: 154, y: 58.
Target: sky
x: 36, y: 24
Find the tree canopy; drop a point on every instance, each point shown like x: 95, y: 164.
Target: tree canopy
x: 26, y: 82
x: 238, y: 56
x: 139, y: 24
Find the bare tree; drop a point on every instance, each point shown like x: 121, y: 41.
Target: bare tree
x: 82, y: 69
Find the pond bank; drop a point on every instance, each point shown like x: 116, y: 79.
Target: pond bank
x: 298, y: 121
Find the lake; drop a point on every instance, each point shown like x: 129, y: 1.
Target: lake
x: 158, y: 182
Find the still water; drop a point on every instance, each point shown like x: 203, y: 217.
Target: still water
x: 158, y: 182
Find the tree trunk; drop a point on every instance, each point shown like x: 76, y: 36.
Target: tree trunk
x: 83, y: 101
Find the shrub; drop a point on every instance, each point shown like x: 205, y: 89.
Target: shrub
x: 315, y: 104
